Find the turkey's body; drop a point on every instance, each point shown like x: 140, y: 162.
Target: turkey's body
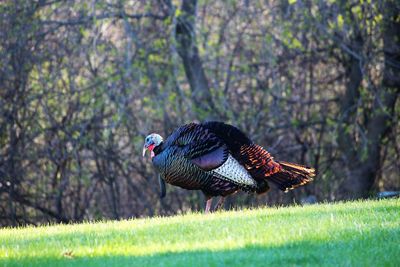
x: 176, y: 169
x: 219, y: 159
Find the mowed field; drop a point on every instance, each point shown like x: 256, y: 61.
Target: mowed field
x: 361, y: 233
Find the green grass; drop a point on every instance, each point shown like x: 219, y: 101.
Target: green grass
x: 363, y: 233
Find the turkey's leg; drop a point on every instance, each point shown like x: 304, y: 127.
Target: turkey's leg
x: 208, y: 205
x: 220, y: 203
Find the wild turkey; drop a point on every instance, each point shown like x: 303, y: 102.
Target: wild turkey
x: 220, y: 160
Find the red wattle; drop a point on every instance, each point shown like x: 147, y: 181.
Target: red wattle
x: 151, y: 147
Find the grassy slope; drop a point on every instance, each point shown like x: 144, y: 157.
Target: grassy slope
x: 354, y: 233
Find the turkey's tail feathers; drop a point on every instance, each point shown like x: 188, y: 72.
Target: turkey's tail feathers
x: 292, y: 175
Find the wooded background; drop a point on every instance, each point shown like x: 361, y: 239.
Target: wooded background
x: 83, y: 82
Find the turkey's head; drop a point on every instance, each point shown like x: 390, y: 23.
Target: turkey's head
x: 151, y: 141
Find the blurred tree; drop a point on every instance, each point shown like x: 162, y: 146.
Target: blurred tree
x: 367, y: 109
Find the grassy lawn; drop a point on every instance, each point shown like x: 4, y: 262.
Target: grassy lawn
x: 363, y: 233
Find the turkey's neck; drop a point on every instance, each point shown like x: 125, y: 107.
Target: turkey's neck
x: 158, y: 149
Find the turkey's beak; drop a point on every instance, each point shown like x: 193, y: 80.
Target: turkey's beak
x: 148, y: 147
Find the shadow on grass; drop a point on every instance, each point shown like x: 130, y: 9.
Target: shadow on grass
x: 378, y: 247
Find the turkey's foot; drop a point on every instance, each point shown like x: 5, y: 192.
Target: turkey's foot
x: 219, y: 204
x: 208, y: 205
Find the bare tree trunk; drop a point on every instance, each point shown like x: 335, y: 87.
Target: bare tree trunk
x: 391, y: 39
x: 185, y: 35
x: 365, y: 160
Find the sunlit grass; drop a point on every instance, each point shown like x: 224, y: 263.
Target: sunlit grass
x: 344, y: 234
